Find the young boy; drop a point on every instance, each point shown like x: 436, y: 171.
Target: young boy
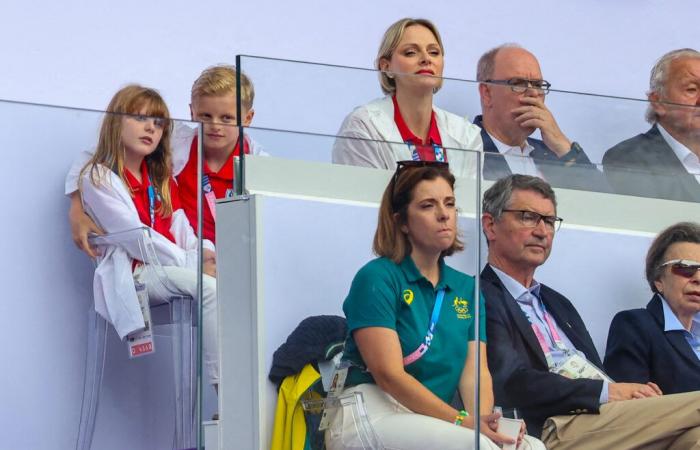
x: 213, y: 102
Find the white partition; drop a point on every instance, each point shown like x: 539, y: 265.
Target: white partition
x: 290, y: 251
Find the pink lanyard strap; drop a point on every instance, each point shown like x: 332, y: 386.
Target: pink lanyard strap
x: 558, y: 343
x: 209, y: 195
x: 425, y: 345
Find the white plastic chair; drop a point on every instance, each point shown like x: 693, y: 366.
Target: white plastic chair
x: 181, y: 317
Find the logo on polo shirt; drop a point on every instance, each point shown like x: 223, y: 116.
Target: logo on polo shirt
x: 461, y: 306
x: 408, y: 296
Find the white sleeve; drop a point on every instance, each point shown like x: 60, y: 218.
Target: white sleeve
x: 354, y: 145
x: 74, y: 172
x: 112, y: 208
x: 186, y: 238
x: 181, y: 142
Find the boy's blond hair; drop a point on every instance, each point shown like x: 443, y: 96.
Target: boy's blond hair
x: 221, y: 80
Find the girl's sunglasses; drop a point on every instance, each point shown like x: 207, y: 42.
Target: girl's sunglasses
x: 685, y: 268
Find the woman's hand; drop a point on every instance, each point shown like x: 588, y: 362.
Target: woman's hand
x: 521, y: 435
x: 489, y: 427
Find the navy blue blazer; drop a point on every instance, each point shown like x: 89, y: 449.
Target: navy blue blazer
x: 639, y: 351
x: 573, y: 171
x: 646, y: 166
x: 521, y: 378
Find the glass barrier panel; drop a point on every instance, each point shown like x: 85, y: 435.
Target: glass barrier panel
x: 79, y: 308
x: 298, y: 217
x: 561, y: 128
x: 589, y: 270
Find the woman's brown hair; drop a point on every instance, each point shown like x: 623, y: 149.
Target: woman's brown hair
x: 389, y: 240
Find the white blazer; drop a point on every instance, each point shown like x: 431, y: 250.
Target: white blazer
x: 111, y: 207
x: 374, y: 122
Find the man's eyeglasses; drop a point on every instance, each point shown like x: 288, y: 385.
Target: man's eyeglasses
x: 401, y: 166
x: 520, y: 85
x: 531, y: 219
x: 685, y: 268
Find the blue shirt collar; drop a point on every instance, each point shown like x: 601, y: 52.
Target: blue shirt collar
x: 514, y: 287
x: 671, y: 322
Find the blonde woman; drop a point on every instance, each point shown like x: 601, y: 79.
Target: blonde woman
x: 405, y: 125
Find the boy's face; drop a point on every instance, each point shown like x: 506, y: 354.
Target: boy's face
x: 218, y: 114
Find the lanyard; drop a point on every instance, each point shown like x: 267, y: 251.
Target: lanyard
x: 151, y: 202
x: 558, y: 343
x: 209, y: 195
x: 425, y: 345
x: 439, y: 152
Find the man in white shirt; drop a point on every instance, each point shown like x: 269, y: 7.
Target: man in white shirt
x: 512, y: 94
x: 664, y: 162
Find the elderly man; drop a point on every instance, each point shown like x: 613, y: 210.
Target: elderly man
x: 540, y: 354
x: 664, y: 162
x: 512, y: 94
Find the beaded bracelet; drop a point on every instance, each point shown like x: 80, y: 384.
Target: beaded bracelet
x: 460, y: 417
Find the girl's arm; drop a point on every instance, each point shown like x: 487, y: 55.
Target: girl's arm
x: 112, y: 208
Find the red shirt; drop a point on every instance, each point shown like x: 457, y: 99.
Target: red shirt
x: 221, y: 183
x: 426, y: 152
x: 140, y: 197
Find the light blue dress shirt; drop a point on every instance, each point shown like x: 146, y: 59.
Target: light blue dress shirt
x: 529, y: 302
x: 671, y: 323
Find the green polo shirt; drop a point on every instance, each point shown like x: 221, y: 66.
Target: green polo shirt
x: 397, y: 296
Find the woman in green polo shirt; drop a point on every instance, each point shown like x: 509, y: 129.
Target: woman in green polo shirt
x: 411, y: 325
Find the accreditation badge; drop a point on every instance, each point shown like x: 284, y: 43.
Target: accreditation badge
x: 337, y: 386
x: 140, y: 343
x: 576, y: 366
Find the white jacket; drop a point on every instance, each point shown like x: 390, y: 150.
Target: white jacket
x: 374, y: 122
x: 110, y: 205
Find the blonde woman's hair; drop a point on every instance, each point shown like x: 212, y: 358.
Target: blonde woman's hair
x: 131, y: 100
x: 391, y: 40
x: 221, y: 80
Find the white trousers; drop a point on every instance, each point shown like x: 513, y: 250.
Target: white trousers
x: 398, y: 428
x: 184, y: 281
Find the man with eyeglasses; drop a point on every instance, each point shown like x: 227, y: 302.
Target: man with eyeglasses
x: 512, y: 94
x: 540, y: 354
x: 664, y: 162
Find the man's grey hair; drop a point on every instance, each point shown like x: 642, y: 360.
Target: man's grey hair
x: 487, y: 62
x: 497, y: 197
x: 659, y: 76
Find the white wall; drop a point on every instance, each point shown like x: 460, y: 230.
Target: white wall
x: 77, y: 53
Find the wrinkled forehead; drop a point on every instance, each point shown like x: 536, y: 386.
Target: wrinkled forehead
x: 683, y: 250
x: 685, y: 67
x: 516, y: 63
x: 531, y: 200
